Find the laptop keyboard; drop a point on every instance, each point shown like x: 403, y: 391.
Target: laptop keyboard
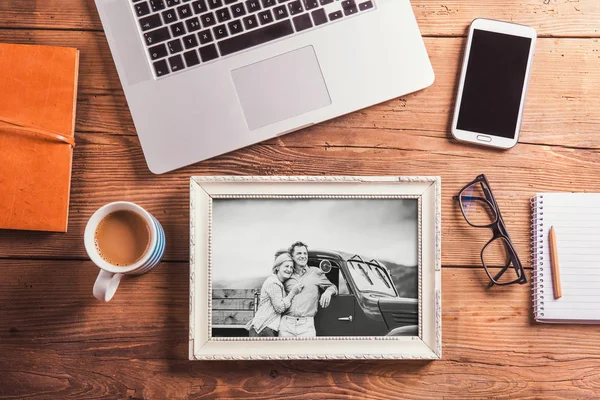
x: 181, y: 34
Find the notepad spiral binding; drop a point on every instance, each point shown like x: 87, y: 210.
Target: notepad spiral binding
x: 537, y: 255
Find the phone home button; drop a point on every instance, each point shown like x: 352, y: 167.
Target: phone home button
x: 484, y: 138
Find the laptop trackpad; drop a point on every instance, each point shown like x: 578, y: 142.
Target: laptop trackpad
x: 281, y: 87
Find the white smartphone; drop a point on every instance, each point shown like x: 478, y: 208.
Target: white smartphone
x: 493, y: 83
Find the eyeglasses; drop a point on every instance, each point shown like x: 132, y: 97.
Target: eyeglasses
x: 480, y: 209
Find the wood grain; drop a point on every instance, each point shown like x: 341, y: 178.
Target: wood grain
x: 436, y: 18
x: 57, y: 341
x: 137, y: 345
x: 234, y: 304
x: 231, y: 317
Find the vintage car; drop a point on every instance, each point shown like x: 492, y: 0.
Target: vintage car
x: 367, y: 303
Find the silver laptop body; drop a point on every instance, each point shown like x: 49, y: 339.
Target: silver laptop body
x: 205, y: 77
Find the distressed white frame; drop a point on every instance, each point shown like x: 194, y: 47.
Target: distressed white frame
x: 428, y: 343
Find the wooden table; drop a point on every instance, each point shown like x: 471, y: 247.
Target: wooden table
x: 57, y: 341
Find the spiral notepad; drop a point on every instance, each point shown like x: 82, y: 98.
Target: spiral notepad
x: 576, y: 220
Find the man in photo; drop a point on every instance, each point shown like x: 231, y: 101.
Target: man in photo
x: 299, y: 319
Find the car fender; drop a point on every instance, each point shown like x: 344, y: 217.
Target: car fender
x: 408, y: 330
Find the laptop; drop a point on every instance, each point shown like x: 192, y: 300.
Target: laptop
x: 205, y: 77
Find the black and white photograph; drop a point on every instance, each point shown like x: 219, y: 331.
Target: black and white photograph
x: 343, y: 266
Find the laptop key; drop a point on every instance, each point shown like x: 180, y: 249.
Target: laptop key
x: 349, y: 7
x: 169, y: 16
x: 190, y: 41
x: 174, y: 46
x: 324, y: 2
x: 192, y: 24
x: 365, y: 6
x: 295, y: 7
x: 160, y: 68
x: 208, y: 19
x: 280, y: 12
x: 176, y: 63
x: 250, y: 22
x: 335, y: 15
x: 265, y: 17
x: 205, y: 36
x: 177, y: 29
x: 268, y: 3
x: 238, y: 10
x: 208, y: 53
x: 191, y: 58
x: 142, y: 9
x: 319, y: 17
x: 157, y: 36
x: 150, y: 22
x: 235, y: 26
x: 227, y: 2
x: 157, y: 5
x: 215, y: 4
x: 253, y: 6
x: 184, y: 11
x: 199, y: 6
x: 310, y: 4
x: 158, y: 51
x: 220, y: 32
x: 256, y: 37
x: 223, y: 15
x: 302, y: 22
x: 173, y: 3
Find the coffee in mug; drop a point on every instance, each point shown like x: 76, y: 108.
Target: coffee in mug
x: 122, y: 238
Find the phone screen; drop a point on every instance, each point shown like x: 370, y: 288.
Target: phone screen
x: 493, y: 84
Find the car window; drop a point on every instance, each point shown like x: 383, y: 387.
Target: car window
x: 370, y: 278
x: 343, y: 285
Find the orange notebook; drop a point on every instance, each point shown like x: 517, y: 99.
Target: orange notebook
x: 38, y: 86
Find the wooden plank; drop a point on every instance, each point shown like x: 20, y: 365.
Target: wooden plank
x: 57, y: 341
x: 231, y: 317
x: 435, y: 18
x: 111, y: 167
x: 548, y: 17
x: 233, y: 294
x: 233, y: 304
x: 560, y: 109
x: 302, y: 380
x: 49, y: 14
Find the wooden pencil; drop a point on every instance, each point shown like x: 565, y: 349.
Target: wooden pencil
x: 555, y: 265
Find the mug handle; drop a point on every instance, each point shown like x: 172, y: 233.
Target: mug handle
x: 106, y: 285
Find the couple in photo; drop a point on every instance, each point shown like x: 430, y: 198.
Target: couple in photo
x: 290, y: 296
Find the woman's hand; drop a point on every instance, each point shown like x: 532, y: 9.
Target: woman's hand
x: 297, y: 289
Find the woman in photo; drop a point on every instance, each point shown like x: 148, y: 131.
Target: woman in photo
x: 273, y: 300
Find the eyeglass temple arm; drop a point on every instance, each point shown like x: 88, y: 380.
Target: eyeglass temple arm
x: 499, y: 274
x: 471, y: 198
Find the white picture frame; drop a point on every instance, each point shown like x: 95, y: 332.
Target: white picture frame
x: 426, y: 345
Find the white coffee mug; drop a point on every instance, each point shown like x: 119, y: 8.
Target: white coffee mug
x: 110, y: 275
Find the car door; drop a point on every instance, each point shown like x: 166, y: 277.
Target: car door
x: 338, y: 318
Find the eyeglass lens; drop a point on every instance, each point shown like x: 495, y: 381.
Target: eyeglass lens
x: 477, y: 206
x: 497, y: 257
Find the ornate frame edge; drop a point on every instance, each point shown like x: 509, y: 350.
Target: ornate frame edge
x: 436, y: 352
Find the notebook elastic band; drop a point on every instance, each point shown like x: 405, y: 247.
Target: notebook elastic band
x: 39, y: 131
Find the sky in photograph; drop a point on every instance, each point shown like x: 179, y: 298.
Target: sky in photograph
x: 247, y: 233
